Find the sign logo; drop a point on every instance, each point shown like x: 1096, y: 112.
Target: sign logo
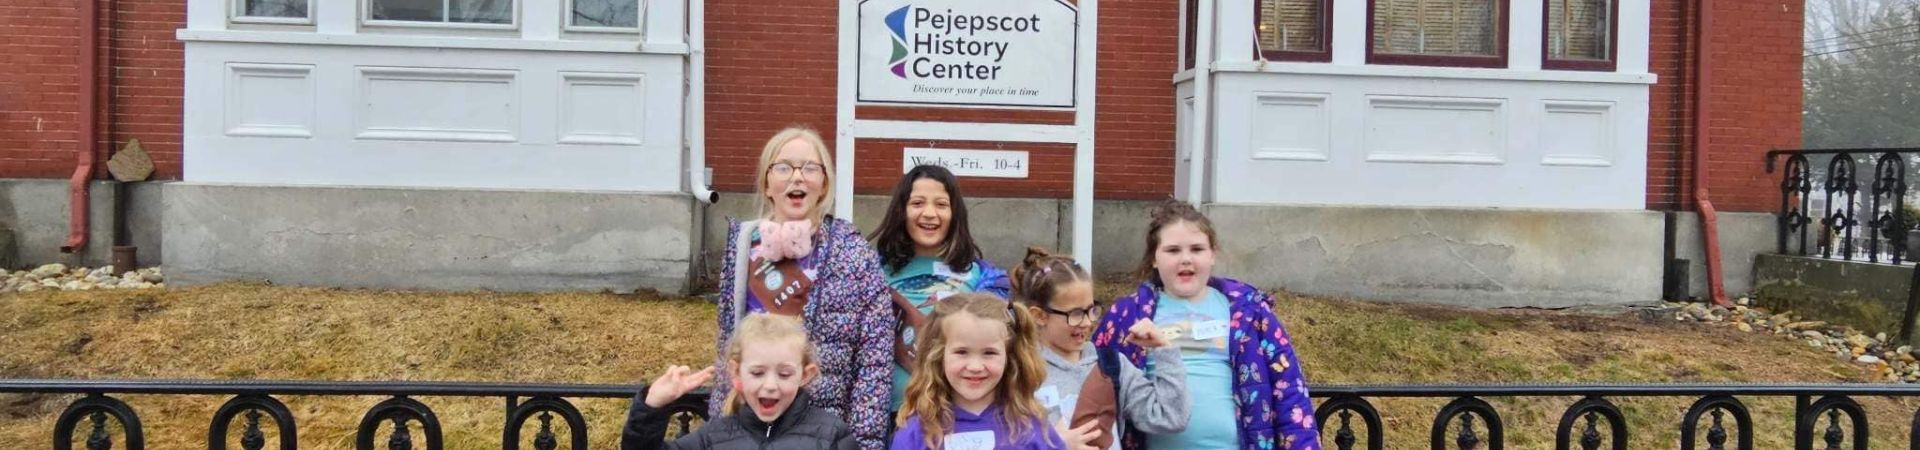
x: 897, y: 23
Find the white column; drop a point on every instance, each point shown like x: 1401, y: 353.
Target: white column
x: 843, y: 110
x: 1350, y: 33
x: 1233, y: 29
x: 1083, y: 118
x: 335, y: 17
x: 540, y: 19
x: 1201, y: 137
x: 1635, y: 31
x: 1525, y: 29
x: 208, y: 14
x: 666, y: 21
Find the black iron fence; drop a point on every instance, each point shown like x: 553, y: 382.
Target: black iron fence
x: 1838, y: 184
x: 402, y: 409
x: 1825, y: 415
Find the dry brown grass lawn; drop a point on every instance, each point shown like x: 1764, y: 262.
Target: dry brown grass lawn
x: 247, y: 331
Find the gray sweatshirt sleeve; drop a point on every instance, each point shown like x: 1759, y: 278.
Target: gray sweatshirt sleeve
x: 1157, y: 403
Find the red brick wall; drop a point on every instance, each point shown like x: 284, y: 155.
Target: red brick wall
x: 1755, y: 101
x: 40, y: 87
x: 767, y: 70
x: 149, y: 79
x: 750, y: 95
x: 1667, y: 121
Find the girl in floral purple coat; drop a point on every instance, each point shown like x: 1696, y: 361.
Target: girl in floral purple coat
x: 798, y: 261
x: 1246, y: 385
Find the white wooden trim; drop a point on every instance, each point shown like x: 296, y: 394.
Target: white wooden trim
x: 366, y: 19
x: 1084, y: 119
x: 1460, y: 73
x: 566, y: 21
x: 1200, y: 141
x: 962, y: 131
x: 844, y: 110
x: 393, y: 40
x: 237, y: 8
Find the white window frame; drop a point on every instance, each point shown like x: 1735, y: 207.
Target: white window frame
x: 566, y: 21
x: 366, y: 19
x: 236, y: 13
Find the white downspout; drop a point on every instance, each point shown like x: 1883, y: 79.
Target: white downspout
x: 695, y: 109
x: 1202, y: 135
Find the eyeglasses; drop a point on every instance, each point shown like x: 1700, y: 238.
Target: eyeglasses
x: 783, y: 170
x: 1078, y: 317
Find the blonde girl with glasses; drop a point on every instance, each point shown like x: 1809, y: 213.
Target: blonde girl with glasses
x: 796, y: 260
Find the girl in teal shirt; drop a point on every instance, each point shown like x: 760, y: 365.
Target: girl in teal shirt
x: 928, y: 254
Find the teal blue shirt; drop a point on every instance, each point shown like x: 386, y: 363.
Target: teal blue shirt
x: 1199, y: 330
x: 924, y: 280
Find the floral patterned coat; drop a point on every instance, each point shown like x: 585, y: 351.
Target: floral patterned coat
x: 849, y: 317
x: 1269, y: 387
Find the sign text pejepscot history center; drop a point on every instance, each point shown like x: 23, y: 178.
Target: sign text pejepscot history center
x: 1017, y: 53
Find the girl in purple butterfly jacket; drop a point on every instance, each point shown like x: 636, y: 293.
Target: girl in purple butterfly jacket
x: 1246, y: 385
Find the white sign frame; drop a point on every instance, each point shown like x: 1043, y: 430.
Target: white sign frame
x: 848, y: 128
x: 864, y: 87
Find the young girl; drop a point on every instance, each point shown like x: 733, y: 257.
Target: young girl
x: 798, y: 261
x: 928, y: 253
x: 1246, y: 384
x: 1060, y: 294
x: 771, y: 362
x: 973, y: 382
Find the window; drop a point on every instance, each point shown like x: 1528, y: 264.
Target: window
x: 1294, y: 30
x: 604, y: 14
x: 1579, y: 35
x: 442, y: 11
x: 1467, y: 33
x: 271, y: 11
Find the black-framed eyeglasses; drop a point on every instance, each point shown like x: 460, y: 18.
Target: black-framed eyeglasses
x: 1077, y: 317
x: 785, y: 170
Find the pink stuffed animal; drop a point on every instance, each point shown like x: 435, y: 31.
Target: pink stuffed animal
x: 785, y: 240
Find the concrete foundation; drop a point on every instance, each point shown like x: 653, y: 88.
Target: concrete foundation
x: 572, y: 240
x: 428, y: 238
x: 37, y: 213
x: 1743, y: 237
x: 1863, y: 295
x: 1471, y: 257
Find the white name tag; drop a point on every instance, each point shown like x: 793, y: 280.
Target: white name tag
x: 1211, y: 329
x: 1049, y: 396
x: 977, y: 440
x: 940, y: 269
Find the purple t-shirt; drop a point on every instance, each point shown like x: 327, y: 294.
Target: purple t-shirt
x: 981, y: 431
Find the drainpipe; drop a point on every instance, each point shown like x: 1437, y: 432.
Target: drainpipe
x: 1709, y: 221
x: 89, y: 133
x: 694, y: 111
x: 693, y: 118
x: 1677, y: 282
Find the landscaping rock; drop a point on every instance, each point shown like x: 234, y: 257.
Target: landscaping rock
x: 50, y: 270
x: 61, y: 277
x: 1808, y: 325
